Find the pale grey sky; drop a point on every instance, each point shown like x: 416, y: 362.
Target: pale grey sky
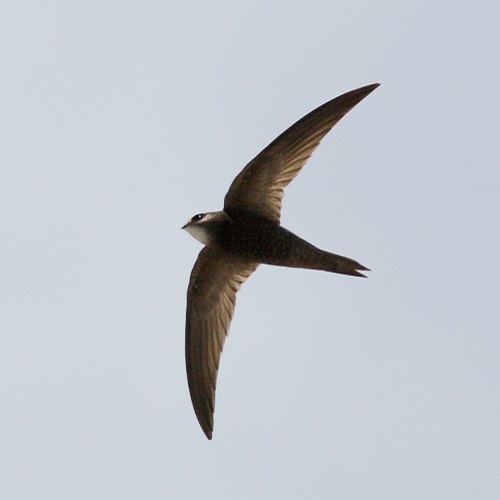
x: 120, y: 120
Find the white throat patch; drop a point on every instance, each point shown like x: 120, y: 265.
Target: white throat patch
x: 199, y: 232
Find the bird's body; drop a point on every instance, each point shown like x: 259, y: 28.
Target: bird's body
x: 248, y: 233
x: 247, y: 236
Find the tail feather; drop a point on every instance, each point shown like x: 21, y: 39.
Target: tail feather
x: 334, y: 263
x: 289, y: 250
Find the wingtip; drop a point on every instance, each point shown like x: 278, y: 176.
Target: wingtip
x: 207, y: 425
x: 369, y: 88
x: 206, y: 422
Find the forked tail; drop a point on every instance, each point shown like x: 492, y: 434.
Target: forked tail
x: 289, y: 250
x: 326, y: 261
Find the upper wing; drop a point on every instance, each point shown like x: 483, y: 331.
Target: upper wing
x: 259, y: 186
x: 211, y: 298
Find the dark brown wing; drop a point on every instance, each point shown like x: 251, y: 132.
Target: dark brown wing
x: 211, y: 298
x: 259, y: 186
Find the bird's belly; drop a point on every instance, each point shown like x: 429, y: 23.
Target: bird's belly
x: 269, y: 244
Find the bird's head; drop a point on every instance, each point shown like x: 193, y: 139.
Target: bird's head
x: 203, y: 226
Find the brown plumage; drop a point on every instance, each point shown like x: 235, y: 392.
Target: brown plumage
x: 248, y: 233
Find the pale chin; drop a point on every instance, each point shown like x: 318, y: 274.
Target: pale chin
x: 200, y: 233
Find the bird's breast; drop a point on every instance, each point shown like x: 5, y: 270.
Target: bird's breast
x: 260, y: 240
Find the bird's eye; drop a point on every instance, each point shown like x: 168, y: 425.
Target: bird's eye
x: 198, y: 217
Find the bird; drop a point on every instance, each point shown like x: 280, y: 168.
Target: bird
x: 247, y: 233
